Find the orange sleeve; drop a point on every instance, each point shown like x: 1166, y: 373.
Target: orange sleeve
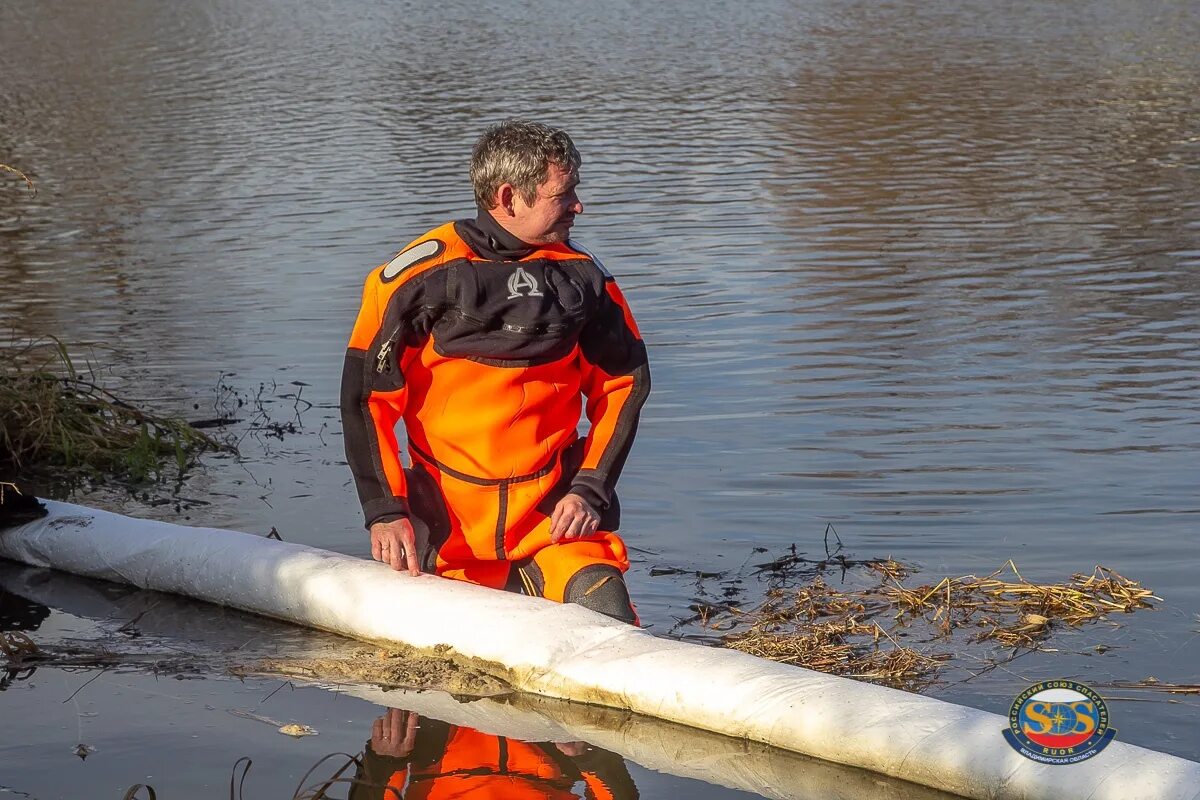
x: 393, y: 320
x: 373, y: 399
x: 616, y: 381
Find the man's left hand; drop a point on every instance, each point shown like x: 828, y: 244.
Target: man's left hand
x: 573, y: 518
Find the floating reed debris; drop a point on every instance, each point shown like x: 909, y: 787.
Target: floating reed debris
x: 821, y: 628
x: 17, y: 648
x: 1154, y: 684
x: 838, y: 631
x: 55, y: 416
x: 842, y: 646
x: 1017, y: 613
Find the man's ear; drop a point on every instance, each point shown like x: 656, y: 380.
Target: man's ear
x: 505, y: 197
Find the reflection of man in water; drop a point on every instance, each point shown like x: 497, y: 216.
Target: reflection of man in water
x: 435, y: 760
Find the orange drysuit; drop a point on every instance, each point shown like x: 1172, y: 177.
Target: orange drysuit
x: 486, y: 347
x: 448, y: 761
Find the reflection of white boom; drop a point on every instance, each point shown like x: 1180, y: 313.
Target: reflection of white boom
x: 569, y: 652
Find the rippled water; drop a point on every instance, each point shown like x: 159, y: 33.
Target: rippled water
x: 928, y: 271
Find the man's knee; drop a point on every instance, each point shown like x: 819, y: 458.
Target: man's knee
x: 601, y: 588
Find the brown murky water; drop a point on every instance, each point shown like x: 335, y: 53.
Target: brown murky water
x: 929, y: 271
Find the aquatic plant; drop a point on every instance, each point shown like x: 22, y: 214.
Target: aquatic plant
x: 55, y: 416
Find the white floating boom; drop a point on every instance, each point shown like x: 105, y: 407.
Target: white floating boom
x: 568, y: 652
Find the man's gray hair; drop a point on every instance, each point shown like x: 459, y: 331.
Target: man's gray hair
x: 520, y: 153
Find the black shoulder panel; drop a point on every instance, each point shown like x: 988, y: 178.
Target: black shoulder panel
x: 510, y: 313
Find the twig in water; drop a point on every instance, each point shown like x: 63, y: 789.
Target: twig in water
x: 81, y: 688
x: 20, y: 175
x: 829, y: 528
x: 276, y: 689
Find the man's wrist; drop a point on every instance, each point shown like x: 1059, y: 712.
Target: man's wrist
x: 589, y: 494
x: 388, y: 509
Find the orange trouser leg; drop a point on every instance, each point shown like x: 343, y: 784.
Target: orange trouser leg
x: 483, y: 531
x: 584, y: 571
x: 554, y: 568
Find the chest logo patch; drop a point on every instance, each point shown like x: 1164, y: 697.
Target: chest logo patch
x: 522, y: 283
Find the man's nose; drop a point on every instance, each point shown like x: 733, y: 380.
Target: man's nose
x: 577, y: 206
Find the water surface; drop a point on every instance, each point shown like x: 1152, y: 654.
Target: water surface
x: 928, y: 271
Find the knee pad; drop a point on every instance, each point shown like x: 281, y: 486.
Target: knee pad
x: 601, y: 588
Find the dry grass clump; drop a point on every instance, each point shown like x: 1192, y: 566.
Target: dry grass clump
x: 805, y: 621
x: 817, y: 600
x: 1017, y: 613
x: 53, y: 415
x: 841, y: 646
x: 822, y: 628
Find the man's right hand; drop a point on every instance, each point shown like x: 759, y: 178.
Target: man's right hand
x: 395, y: 543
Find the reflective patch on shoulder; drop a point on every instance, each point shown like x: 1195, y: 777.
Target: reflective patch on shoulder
x: 599, y: 265
x: 414, y: 255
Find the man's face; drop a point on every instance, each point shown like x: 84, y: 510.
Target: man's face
x: 549, y: 217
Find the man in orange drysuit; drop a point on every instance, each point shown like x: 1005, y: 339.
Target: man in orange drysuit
x: 484, y: 336
x: 439, y: 761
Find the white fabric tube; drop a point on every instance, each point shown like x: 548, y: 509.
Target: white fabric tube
x: 655, y: 744
x: 572, y: 653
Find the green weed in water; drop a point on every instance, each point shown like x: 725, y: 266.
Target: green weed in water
x: 54, y: 417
